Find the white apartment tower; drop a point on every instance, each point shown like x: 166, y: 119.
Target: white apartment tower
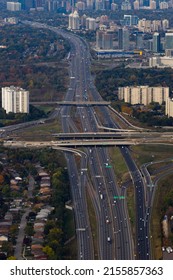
x: 73, y: 23
x: 15, y: 99
x: 169, y: 107
x: 143, y: 94
x: 13, y: 6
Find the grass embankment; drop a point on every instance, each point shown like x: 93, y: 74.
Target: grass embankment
x: 161, y: 202
x: 93, y: 224
x: 69, y: 228
x: 149, y: 153
x: 41, y: 132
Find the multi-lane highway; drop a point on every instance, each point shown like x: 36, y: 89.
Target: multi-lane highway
x: 94, y: 178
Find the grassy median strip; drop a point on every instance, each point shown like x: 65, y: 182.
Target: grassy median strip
x: 93, y: 224
x: 119, y: 165
x: 130, y: 196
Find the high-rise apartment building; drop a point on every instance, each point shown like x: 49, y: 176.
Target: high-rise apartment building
x: 163, y: 5
x: 136, y: 5
x: 90, y: 23
x: 152, y: 5
x: 143, y: 94
x: 15, y: 99
x: 13, y: 6
x: 165, y: 24
x: 73, y: 23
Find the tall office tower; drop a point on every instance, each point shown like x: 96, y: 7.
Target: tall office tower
x: 120, y: 38
x: 156, y: 42
x: 139, y: 41
x: 13, y: 6
x: 168, y: 41
x: 15, y: 99
x: 169, y: 107
x: 123, y: 39
x: 38, y: 3
x: 136, y: 5
x: 130, y: 20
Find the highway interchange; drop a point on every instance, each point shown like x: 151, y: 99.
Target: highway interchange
x: 114, y: 236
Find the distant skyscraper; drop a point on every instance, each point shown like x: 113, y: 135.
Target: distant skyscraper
x: 156, y: 42
x: 107, y: 41
x: 104, y: 40
x: 99, y: 35
x: 139, y: 40
x: 123, y: 39
x: 169, y: 41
